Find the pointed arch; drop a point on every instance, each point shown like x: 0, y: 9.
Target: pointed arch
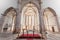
x: 50, y: 20
x: 52, y: 10
x: 9, y: 20
x: 8, y: 10
x: 30, y: 17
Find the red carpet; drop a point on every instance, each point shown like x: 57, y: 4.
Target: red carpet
x: 29, y: 36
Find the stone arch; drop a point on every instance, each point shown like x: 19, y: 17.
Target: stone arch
x: 28, y: 7
x: 9, y: 9
x: 22, y: 4
x: 9, y: 20
x: 34, y: 5
x: 52, y: 10
x: 30, y: 2
x: 50, y: 20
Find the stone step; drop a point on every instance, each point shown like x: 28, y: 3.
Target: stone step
x: 28, y: 39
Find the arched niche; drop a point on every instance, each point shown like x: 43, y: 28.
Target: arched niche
x: 50, y: 20
x: 9, y: 20
x: 30, y: 18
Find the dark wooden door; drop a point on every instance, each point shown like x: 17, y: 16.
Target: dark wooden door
x: 53, y: 29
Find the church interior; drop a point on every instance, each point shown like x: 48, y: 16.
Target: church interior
x: 29, y: 20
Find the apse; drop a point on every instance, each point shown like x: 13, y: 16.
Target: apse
x: 30, y: 18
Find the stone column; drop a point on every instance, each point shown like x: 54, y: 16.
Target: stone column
x: 57, y: 23
x: 42, y: 27
x: 18, y: 17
